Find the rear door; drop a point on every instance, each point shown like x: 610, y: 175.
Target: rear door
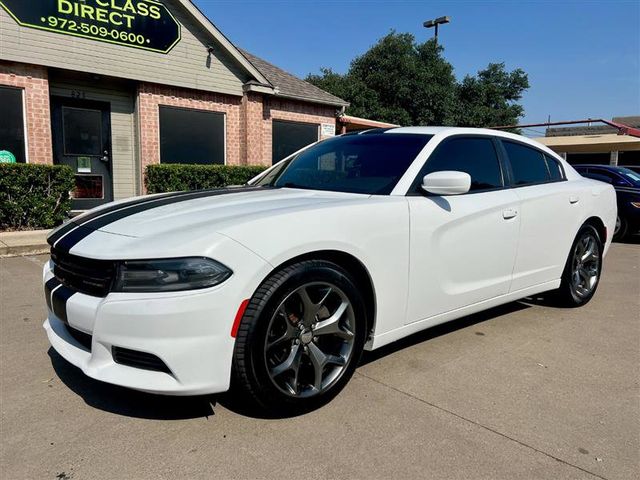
x: 549, y: 210
x: 462, y: 247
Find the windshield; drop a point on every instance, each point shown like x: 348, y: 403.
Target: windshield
x: 366, y: 163
x: 630, y: 176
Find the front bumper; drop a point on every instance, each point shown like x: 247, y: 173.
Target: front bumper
x: 189, y: 331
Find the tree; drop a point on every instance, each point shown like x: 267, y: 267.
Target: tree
x: 489, y: 99
x: 403, y: 82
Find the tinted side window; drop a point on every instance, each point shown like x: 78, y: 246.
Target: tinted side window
x: 528, y: 164
x: 613, y: 178
x: 555, y: 170
x: 475, y: 156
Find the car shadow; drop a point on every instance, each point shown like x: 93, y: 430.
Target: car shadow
x: 127, y: 402
x: 131, y: 403
x: 442, y: 329
x: 630, y: 240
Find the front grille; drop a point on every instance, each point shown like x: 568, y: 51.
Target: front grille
x: 85, y: 275
x: 136, y: 359
x: 82, y: 338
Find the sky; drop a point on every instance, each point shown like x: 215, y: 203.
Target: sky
x: 582, y: 57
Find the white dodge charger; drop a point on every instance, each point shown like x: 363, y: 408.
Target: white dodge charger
x: 354, y: 242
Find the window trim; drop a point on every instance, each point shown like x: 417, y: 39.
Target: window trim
x: 502, y: 141
x: 415, y: 189
x: 224, y: 130
x: 25, y: 131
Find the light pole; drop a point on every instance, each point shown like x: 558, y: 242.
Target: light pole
x: 435, y: 23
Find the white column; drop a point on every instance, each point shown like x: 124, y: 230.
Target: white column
x: 613, y: 158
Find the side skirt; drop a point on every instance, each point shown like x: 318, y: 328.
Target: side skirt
x: 377, y: 341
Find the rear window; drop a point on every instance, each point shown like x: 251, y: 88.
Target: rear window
x: 527, y: 164
x: 555, y: 170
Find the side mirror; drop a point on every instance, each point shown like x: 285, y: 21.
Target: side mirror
x: 447, y: 182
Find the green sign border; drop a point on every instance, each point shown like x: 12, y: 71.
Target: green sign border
x: 105, y: 40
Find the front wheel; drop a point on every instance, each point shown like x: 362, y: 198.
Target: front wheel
x: 582, y: 271
x: 301, y: 337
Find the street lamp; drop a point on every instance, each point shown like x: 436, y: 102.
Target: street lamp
x: 435, y: 23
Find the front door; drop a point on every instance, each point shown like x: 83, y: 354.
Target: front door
x: 82, y: 139
x: 462, y: 247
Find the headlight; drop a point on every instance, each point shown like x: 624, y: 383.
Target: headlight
x: 636, y: 204
x: 169, y: 275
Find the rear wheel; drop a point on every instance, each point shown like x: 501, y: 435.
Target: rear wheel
x: 621, y: 228
x: 583, y: 268
x: 300, y: 338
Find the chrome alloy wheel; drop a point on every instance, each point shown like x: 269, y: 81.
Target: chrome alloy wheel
x: 310, y: 339
x: 585, y: 265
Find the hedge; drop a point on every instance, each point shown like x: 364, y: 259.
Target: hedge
x: 34, y: 196
x: 176, y: 177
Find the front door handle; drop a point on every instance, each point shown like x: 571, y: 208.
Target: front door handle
x: 105, y: 157
x: 509, y: 213
x: 574, y: 199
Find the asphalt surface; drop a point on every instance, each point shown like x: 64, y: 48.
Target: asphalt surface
x: 522, y: 391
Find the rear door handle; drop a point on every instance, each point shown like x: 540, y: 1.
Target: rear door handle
x: 574, y: 199
x: 509, y: 213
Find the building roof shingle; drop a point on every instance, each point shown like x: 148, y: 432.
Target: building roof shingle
x: 290, y: 86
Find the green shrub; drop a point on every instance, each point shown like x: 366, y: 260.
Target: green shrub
x: 175, y: 177
x: 34, y: 196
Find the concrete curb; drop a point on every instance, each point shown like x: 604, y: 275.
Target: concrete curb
x: 30, y: 242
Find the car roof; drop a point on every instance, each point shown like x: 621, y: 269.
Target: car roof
x: 596, y: 165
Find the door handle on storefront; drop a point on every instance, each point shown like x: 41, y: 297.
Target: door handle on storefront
x: 105, y: 157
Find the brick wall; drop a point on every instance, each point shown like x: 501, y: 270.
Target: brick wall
x: 248, y: 120
x: 151, y: 96
x: 34, y: 81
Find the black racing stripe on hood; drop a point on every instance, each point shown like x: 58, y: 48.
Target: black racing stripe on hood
x: 67, y: 227
x: 61, y: 232
x: 87, y: 228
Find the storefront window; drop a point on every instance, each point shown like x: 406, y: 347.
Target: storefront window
x: 289, y: 137
x: 12, y: 125
x: 191, y: 136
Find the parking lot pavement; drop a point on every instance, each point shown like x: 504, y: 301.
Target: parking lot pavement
x: 522, y: 391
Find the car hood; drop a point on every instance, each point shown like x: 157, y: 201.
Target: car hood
x: 216, y: 213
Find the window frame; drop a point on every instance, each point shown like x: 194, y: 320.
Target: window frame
x: 502, y: 141
x: 25, y: 131
x: 415, y: 189
x: 216, y: 112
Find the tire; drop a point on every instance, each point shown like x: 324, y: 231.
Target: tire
x: 300, y: 338
x: 621, y: 230
x: 581, y: 274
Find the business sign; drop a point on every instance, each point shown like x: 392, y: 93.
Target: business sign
x: 328, y: 129
x: 144, y: 24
